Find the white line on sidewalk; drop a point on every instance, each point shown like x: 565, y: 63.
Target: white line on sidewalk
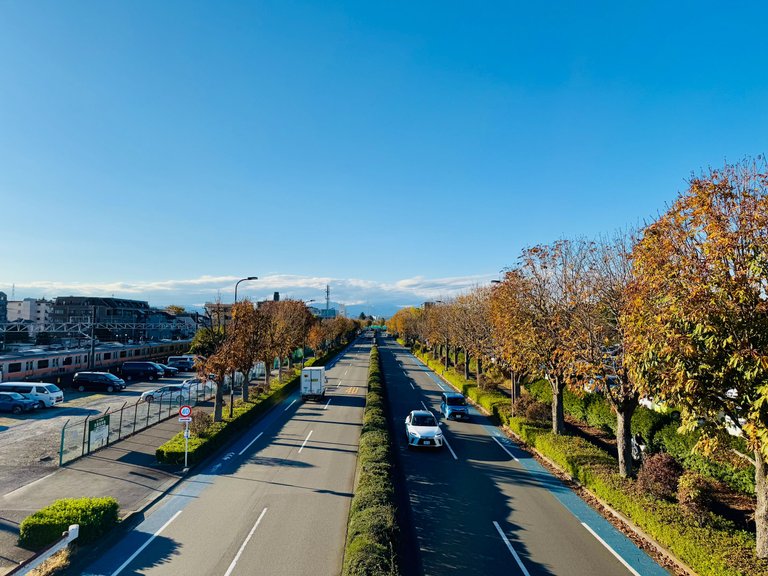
x: 512, y: 550
x: 155, y: 535
x: 305, y: 440
x: 250, y: 444
x: 326, y: 404
x: 505, y: 449
x: 289, y: 405
x: 611, y: 550
x: 239, y: 552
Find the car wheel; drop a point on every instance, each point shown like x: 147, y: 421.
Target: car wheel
x: 151, y: 377
x: 41, y: 404
x: 178, y: 399
x: 81, y: 388
x: 16, y: 409
x: 110, y: 388
x: 149, y: 399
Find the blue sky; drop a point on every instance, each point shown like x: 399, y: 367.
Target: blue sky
x: 400, y: 151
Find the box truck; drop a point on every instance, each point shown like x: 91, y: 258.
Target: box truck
x: 313, y: 382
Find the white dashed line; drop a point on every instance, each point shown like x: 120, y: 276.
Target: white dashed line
x: 412, y: 386
x: 305, y: 440
x: 445, y: 441
x: 512, y: 550
x: 289, y: 405
x: 326, y: 404
x: 250, y: 444
x: 155, y: 535
x: 239, y: 552
x: 505, y: 449
x: 611, y: 550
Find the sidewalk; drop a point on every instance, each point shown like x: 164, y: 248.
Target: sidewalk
x: 126, y: 470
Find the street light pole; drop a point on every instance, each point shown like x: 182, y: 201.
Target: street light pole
x: 304, y: 341
x: 245, y: 376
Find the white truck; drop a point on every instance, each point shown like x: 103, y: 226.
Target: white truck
x: 313, y: 381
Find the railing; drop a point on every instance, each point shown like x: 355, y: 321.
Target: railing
x: 83, y: 436
x: 66, y: 539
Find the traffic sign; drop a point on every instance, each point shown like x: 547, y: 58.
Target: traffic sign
x: 185, y: 418
x: 185, y: 410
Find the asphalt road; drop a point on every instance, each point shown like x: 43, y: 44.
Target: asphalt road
x: 485, y: 507
x: 276, y: 503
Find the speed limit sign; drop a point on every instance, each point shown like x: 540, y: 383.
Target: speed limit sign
x: 185, y: 411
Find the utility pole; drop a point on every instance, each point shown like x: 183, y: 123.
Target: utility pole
x: 327, y: 299
x: 91, y: 362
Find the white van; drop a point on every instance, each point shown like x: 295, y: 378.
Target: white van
x: 46, y: 395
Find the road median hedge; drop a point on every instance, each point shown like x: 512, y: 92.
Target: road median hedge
x: 372, y: 528
x: 715, y: 549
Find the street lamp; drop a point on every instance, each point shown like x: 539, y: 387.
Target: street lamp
x: 245, y: 376
x: 304, y: 341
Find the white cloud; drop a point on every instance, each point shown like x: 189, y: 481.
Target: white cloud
x: 384, y: 297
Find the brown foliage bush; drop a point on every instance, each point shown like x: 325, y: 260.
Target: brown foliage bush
x: 694, y: 493
x: 659, y: 475
x: 201, y: 420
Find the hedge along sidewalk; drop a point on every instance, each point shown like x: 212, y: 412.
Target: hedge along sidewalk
x: 716, y: 549
x: 372, y: 528
x: 244, y: 415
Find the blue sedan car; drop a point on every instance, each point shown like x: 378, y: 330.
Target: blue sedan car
x: 16, y: 403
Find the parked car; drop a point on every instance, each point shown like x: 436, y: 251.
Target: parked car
x: 170, y: 371
x: 176, y: 393
x: 184, y: 363
x: 16, y: 403
x: 454, y: 406
x: 46, y: 395
x: 422, y: 429
x: 97, y: 381
x: 141, y: 370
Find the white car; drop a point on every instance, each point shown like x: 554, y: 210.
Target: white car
x: 176, y: 393
x: 422, y: 429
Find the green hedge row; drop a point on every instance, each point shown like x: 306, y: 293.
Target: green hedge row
x: 243, y: 416
x: 96, y: 516
x: 372, y: 528
x: 717, y: 549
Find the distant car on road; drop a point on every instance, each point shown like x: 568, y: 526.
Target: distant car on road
x: 422, y: 429
x: 16, y: 403
x: 97, y: 381
x: 454, y: 406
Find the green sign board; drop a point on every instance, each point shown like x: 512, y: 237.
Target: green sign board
x: 98, y: 432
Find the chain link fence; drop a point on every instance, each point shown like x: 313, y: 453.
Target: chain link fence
x: 83, y: 436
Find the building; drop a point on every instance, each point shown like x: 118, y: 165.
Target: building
x: 132, y: 314
x: 37, y: 311
x: 3, y: 308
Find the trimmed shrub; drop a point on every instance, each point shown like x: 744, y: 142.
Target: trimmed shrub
x: 531, y: 409
x: 96, y: 516
x: 659, y: 475
x: 647, y: 423
x: 694, y: 493
x: 600, y: 415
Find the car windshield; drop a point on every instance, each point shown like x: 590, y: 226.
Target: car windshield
x: 111, y: 376
x: 14, y: 395
x: 457, y: 401
x: 52, y: 388
x: 423, y: 420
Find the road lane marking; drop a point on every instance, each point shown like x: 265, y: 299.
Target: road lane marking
x: 445, y: 441
x: 352, y: 390
x: 289, y: 405
x: 326, y: 404
x: 339, y: 384
x: 250, y: 444
x: 505, y: 448
x: 512, y: 550
x: 425, y: 407
x: 305, y: 441
x: 412, y: 386
x: 141, y: 548
x: 242, y: 547
x: 611, y: 550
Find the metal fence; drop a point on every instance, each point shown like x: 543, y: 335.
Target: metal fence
x: 83, y: 436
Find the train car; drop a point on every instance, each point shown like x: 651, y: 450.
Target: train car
x: 60, y: 364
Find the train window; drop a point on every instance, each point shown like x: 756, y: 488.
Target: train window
x: 28, y: 365
x: 77, y: 359
x: 107, y: 355
x: 68, y: 361
x: 42, y: 364
x: 14, y: 367
x: 122, y: 353
x: 85, y: 359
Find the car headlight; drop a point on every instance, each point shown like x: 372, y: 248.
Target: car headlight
x: 414, y: 433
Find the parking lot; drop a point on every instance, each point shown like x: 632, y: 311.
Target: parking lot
x: 29, y: 443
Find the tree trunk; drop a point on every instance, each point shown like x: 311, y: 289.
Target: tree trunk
x: 268, y: 373
x: 466, y: 364
x: 455, y: 356
x: 446, y: 356
x: 479, y: 372
x: 280, y: 369
x: 246, y: 383
x: 761, y: 511
x: 558, y: 419
x: 219, y: 402
x: 624, y: 413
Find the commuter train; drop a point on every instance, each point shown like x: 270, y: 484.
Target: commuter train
x: 59, y: 365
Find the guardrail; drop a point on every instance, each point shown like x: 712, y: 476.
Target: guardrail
x: 40, y: 557
x: 84, y: 436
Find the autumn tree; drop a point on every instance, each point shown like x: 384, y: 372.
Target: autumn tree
x: 699, y: 312
x: 175, y: 309
x: 244, y: 340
